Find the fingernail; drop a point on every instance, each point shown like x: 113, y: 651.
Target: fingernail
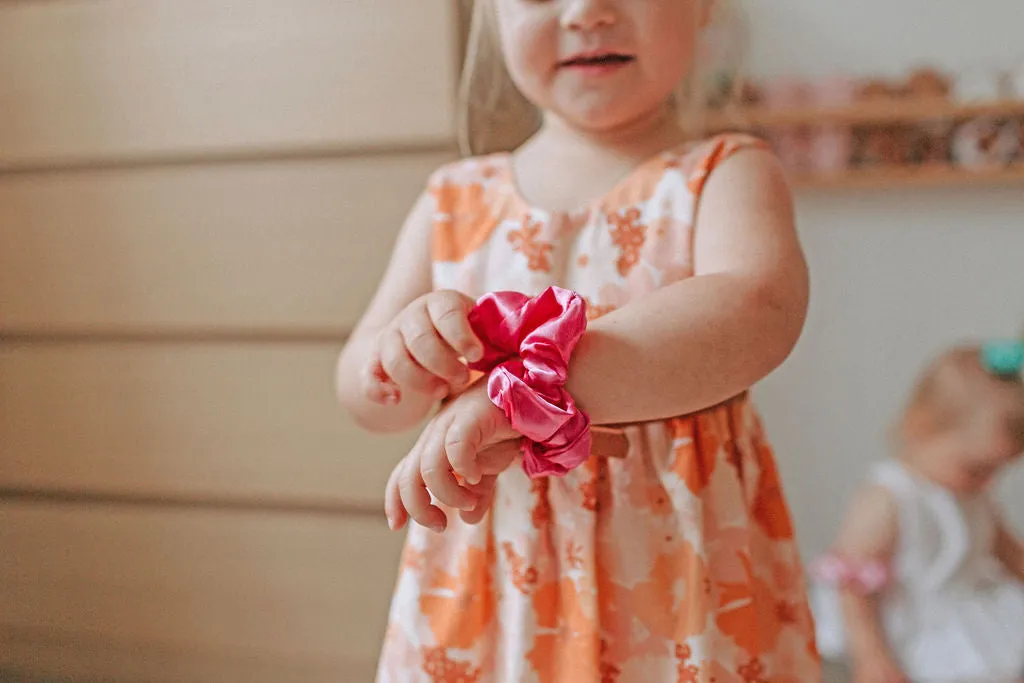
x: 474, y: 354
x: 391, y: 399
x: 437, y: 528
x: 391, y: 523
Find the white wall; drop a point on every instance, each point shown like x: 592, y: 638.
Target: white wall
x: 897, y: 274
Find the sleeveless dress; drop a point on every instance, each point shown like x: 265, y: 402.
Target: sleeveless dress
x: 673, y: 560
x: 952, y: 612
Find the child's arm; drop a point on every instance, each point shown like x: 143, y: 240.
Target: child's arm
x: 868, y: 535
x: 703, y: 340
x: 1010, y: 550
x: 677, y: 350
x: 416, y: 335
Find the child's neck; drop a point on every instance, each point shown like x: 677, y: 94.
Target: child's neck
x: 636, y: 140
x: 563, y: 168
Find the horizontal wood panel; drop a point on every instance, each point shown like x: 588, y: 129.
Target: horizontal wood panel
x: 28, y: 656
x: 132, y: 595
x: 96, y: 80
x: 262, y: 245
x: 253, y: 422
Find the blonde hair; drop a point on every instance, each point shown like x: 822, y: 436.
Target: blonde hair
x: 495, y: 116
x: 952, y: 388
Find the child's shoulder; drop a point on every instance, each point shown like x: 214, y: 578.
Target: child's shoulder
x: 717, y: 148
x: 473, y: 170
x: 697, y: 160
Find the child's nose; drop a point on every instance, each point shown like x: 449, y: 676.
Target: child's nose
x: 587, y: 15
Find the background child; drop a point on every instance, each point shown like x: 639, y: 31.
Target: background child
x: 930, y: 577
x: 668, y: 555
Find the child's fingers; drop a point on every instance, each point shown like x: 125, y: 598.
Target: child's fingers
x: 497, y: 458
x: 377, y: 386
x: 416, y: 499
x: 401, y: 367
x: 493, y: 461
x: 485, y: 491
x: 449, y: 313
x: 393, y: 508
x: 438, y: 475
x: 462, y: 443
x: 431, y: 352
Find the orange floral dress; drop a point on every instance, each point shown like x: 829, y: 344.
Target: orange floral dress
x: 675, y: 563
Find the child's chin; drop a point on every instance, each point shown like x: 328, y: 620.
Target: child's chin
x: 967, y: 488
x: 599, y: 112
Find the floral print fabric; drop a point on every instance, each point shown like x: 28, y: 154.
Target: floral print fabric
x: 675, y: 563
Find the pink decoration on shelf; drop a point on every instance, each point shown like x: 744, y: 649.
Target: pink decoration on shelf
x: 864, y: 577
x: 831, y: 148
x: 791, y: 143
x: 786, y: 93
x: 527, y: 346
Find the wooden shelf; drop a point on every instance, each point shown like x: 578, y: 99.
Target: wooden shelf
x: 882, y: 113
x: 911, y: 177
x: 867, y: 113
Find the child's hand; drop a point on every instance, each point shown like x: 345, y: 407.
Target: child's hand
x: 470, y: 437
x: 877, y: 668
x: 421, y: 349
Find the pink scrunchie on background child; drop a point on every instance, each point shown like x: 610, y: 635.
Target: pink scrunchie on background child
x: 862, y: 577
x: 527, y: 345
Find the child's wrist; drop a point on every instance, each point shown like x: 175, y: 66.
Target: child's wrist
x: 528, y: 343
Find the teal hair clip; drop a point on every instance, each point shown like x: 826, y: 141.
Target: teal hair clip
x: 1003, y: 358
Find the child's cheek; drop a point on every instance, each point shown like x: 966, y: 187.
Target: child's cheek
x: 529, y: 40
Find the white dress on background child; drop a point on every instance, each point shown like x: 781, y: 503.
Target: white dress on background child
x: 951, y: 611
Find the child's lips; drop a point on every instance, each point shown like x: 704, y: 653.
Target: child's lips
x: 597, y: 63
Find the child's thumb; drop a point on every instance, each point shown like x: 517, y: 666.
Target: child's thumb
x: 497, y: 458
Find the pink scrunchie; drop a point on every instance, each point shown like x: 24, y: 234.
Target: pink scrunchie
x: 527, y: 345
x: 862, y: 577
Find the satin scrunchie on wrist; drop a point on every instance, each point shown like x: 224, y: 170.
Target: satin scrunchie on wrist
x: 528, y: 342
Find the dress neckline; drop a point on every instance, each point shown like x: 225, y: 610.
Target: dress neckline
x: 506, y: 164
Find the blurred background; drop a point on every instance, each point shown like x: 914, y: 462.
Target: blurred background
x: 196, y: 200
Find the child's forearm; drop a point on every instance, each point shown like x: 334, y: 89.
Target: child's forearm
x: 408, y: 413
x: 675, y: 351
x: 864, y: 635
x: 685, y: 347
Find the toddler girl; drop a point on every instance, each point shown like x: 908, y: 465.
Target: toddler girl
x: 925, y: 581
x: 639, y: 533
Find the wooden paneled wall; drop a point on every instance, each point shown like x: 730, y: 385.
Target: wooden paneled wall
x: 196, y: 200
